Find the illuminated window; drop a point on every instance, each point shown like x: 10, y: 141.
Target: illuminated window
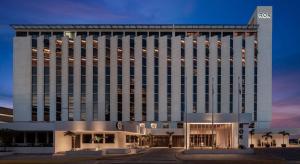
x: 153, y: 125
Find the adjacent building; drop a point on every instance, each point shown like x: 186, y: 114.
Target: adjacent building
x: 203, y: 85
x: 6, y: 115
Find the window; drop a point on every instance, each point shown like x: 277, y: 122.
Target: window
x: 42, y: 137
x: 19, y: 137
x: 165, y: 125
x: 153, y: 125
x: 109, y: 138
x: 70, y: 34
x: 179, y: 125
x: 21, y: 33
x: 100, y: 136
x: 30, y: 137
x: 131, y: 139
x: 87, y: 138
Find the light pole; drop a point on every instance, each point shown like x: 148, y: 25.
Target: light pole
x: 238, y: 114
x: 212, y: 115
x: 185, y: 111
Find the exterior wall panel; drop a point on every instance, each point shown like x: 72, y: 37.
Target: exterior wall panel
x: 237, y: 73
x: 89, y: 78
x: 126, y: 78
x: 150, y: 78
x: 162, y: 111
x: 77, y: 77
x: 249, y: 72
x: 176, y: 69
x: 101, y: 78
x: 225, y: 73
x: 52, y: 78
x: 22, y: 78
x: 40, y: 78
x: 201, y: 74
x: 213, y: 74
x: 113, y: 79
x: 64, y: 78
x: 189, y: 73
x: 138, y: 78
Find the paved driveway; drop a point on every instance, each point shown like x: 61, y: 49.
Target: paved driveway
x: 165, y: 155
x: 154, y: 155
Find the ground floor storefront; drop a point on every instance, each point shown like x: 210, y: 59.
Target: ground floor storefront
x: 54, y: 137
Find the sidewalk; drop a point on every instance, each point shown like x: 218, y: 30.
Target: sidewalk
x: 230, y: 158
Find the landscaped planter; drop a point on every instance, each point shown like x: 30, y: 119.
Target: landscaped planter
x: 6, y: 153
x: 251, y: 146
x: 84, y: 153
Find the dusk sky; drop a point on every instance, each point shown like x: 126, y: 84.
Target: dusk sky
x: 286, y: 25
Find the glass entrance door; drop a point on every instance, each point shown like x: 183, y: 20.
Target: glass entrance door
x: 202, y: 140
x: 208, y: 135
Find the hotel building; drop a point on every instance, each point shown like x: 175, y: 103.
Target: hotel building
x: 185, y: 85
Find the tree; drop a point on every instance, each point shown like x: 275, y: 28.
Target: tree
x: 6, y: 136
x: 283, y: 133
x: 267, y: 136
x: 72, y: 135
x: 170, y: 138
x: 251, y: 132
x: 148, y: 138
x: 97, y: 139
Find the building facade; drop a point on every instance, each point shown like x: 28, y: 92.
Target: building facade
x: 185, y: 85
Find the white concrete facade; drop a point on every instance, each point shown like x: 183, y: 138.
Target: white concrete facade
x: 257, y: 36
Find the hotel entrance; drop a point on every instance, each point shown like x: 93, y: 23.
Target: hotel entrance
x: 207, y: 135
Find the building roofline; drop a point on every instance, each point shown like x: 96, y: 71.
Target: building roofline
x: 130, y: 26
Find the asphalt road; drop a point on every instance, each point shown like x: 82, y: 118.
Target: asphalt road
x: 167, y: 156
x: 154, y: 155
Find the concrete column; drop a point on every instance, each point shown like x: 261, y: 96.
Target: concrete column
x: 225, y: 74
x: 237, y: 72
x: 22, y: 78
x: 113, y: 79
x: 150, y: 78
x: 264, y: 66
x: 101, y: 78
x: 125, y: 78
x: 188, y: 129
x: 89, y: 78
x: 162, y: 106
x: 189, y: 73
x: 77, y: 77
x: 176, y: 72
x: 235, y: 135
x: 249, y: 75
x: 64, y: 78
x: 40, y: 78
x: 201, y: 74
x: 138, y: 78
x: 213, y: 65
x: 52, y: 94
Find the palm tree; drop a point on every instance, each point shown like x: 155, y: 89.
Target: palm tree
x: 251, y: 132
x: 283, y: 133
x: 267, y: 136
x: 6, y: 136
x: 97, y: 139
x: 170, y: 138
x: 72, y: 135
x: 148, y: 138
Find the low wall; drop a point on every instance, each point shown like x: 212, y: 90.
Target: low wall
x: 82, y: 153
x: 32, y: 150
x: 219, y: 151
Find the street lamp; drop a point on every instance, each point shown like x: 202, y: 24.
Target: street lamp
x: 212, y: 114
x: 185, y: 111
